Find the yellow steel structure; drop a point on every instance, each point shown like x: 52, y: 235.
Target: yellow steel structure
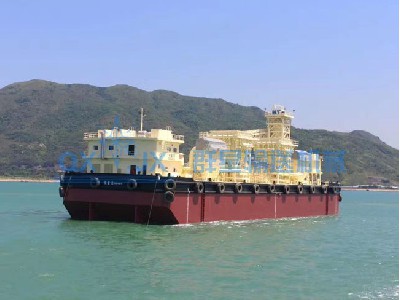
x: 261, y: 156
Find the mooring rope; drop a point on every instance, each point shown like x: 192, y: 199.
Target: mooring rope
x: 152, y: 200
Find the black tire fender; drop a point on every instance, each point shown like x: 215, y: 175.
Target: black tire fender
x: 199, y: 187
x: 238, y: 188
x: 132, y: 184
x: 286, y: 189
x: 169, y: 196
x: 94, y: 182
x: 300, y: 189
x: 61, y: 191
x: 324, y: 189
x: 169, y: 185
x: 220, y: 188
x: 256, y: 189
x: 272, y: 188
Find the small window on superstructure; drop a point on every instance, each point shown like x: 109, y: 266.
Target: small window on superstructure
x: 111, y: 147
x: 95, y: 147
x: 175, y: 150
x: 131, y: 150
x: 169, y: 149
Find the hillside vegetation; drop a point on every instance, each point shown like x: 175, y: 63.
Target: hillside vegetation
x: 40, y: 120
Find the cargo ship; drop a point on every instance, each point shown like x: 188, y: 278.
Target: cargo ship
x: 231, y: 175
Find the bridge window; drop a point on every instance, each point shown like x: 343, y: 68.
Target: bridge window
x: 131, y: 150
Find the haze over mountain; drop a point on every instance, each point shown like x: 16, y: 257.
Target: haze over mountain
x: 40, y: 120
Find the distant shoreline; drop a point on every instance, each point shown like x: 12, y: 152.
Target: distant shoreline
x: 18, y: 179
x: 368, y: 190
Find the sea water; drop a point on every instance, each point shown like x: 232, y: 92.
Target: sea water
x: 45, y: 255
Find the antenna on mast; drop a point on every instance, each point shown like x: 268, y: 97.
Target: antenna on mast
x: 142, y: 115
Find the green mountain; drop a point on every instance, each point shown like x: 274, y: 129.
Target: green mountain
x: 40, y: 120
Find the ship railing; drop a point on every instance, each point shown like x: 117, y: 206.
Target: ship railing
x: 90, y: 135
x: 143, y: 134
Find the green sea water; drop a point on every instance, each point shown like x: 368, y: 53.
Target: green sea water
x: 45, y: 255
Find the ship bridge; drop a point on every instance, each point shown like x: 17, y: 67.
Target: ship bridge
x: 134, y: 152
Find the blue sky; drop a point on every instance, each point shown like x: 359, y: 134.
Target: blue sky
x: 334, y: 62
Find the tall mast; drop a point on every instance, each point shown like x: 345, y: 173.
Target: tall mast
x: 141, y: 119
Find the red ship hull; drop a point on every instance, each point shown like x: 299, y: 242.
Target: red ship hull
x: 150, y: 207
